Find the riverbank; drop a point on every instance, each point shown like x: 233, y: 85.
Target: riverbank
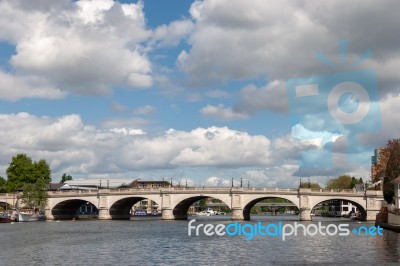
x: 391, y: 227
x: 388, y: 220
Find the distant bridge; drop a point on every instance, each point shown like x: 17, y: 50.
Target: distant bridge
x: 174, y: 202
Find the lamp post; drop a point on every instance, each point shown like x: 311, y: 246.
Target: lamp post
x: 241, y: 182
x: 232, y: 182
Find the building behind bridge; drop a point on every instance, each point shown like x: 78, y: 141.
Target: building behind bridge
x: 114, y: 183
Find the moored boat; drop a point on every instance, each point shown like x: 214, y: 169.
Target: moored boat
x: 5, y: 218
x: 30, y: 217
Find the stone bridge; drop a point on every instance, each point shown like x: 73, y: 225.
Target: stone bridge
x: 174, y: 202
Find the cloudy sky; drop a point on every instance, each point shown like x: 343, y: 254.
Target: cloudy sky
x: 196, y: 91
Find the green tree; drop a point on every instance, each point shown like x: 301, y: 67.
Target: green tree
x: 202, y: 204
x: 23, y: 171
x: 310, y: 185
x: 3, y: 186
x: 341, y: 182
x: 40, y: 193
x: 392, y: 169
x: 19, y: 172
x: 28, y: 195
x: 65, y: 177
x: 41, y: 171
x: 355, y: 181
x: 35, y: 195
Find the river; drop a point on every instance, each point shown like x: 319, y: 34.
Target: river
x: 157, y: 242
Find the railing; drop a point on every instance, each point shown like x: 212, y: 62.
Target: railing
x: 337, y: 191
x: 80, y: 191
x: 198, y: 189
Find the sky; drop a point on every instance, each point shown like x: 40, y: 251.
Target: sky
x: 199, y: 91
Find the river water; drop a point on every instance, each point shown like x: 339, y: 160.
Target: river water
x: 157, y: 242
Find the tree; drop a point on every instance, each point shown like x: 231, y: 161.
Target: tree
x: 27, y: 197
x: 41, y: 171
x: 2, y: 184
x: 19, y: 172
x: 40, y: 193
x: 34, y: 195
x: 392, y: 170
x: 309, y: 185
x: 23, y: 171
x: 202, y: 204
x: 65, y: 177
x: 341, y: 182
x: 355, y: 181
x: 378, y: 168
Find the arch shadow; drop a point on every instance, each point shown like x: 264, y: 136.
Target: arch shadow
x: 69, y: 209
x: 251, y: 204
x: 181, y: 209
x: 360, y: 208
x: 121, y: 209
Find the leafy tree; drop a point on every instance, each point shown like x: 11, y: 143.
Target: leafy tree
x: 41, y: 171
x: 202, y: 204
x: 27, y: 197
x: 23, y: 171
x: 341, y: 182
x: 34, y: 195
x: 19, y: 172
x: 392, y: 170
x: 40, y: 193
x: 65, y: 177
x: 378, y: 169
x: 310, y: 185
x: 2, y: 184
x: 355, y: 181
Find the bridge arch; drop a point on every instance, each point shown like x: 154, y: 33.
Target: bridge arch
x: 180, y: 209
x: 67, y: 209
x: 120, y: 208
x: 360, y: 204
x: 252, y: 202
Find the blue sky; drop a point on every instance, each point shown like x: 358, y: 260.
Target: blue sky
x: 193, y: 90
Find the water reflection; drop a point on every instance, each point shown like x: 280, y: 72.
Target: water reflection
x: 151, y: 242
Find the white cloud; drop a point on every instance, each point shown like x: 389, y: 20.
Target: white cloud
x: 315, y: 138
x: 118, y: 107
x: 128, y: 131
x: 83, y: 47
x: 221, y: 113
x: 125, y: 123
x: 71, y: 146
x: 241, y: 40
x: 173, y: 33
x: 145, y: 110
x: 14, y: 87
x: 271, y: 97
